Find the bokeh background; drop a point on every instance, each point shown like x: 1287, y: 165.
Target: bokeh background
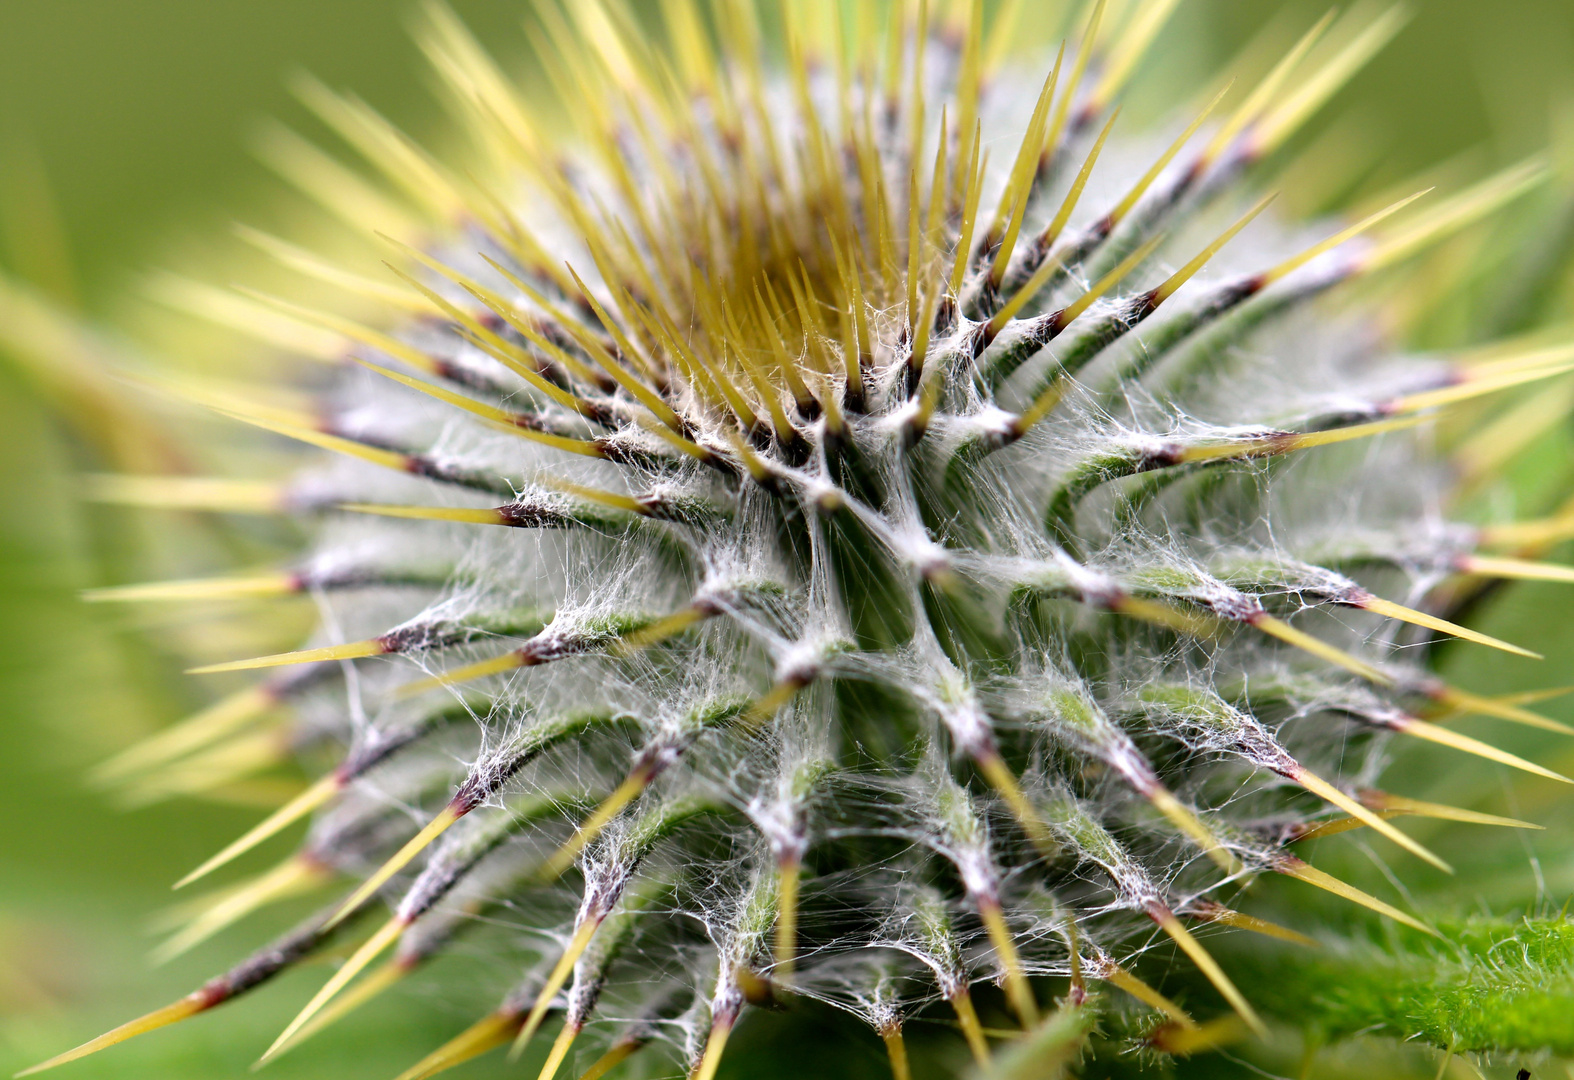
x: 124, y: 133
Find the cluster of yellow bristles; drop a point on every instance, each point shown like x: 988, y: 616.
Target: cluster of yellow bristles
x: 860, y: 408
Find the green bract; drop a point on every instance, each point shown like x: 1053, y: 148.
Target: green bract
x: 825, y: 512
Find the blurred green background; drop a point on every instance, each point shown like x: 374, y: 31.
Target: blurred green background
x: 123, y: 145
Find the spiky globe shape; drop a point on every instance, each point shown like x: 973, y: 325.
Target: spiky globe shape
x: 832, y: 524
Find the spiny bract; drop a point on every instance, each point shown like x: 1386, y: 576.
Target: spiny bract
x: 805, y: 559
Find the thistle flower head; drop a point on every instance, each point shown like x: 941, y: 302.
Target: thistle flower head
x: 834, y: 513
